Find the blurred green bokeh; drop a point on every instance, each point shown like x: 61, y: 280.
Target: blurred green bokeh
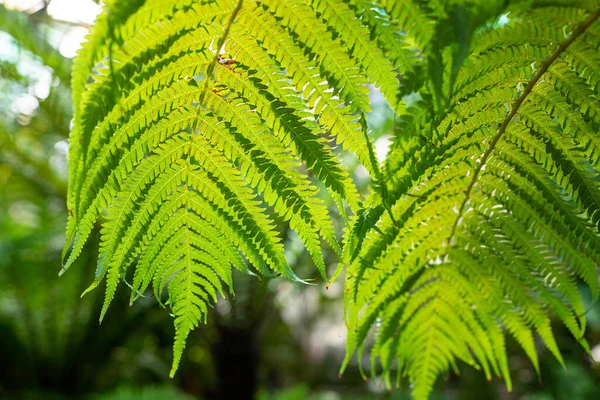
x: 275, y: 339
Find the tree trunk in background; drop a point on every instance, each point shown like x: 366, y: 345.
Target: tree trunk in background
x: 236, y: 357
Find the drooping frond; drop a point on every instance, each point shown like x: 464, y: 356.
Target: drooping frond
x: 495, y: 204
x: 194, y: 122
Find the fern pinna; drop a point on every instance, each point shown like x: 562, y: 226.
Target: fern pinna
x: 196, y: 123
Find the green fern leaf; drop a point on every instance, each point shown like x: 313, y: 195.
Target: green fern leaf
x: 195, y: 123
x: 495, y: 205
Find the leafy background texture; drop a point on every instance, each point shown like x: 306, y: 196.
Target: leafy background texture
x: 216, y: 140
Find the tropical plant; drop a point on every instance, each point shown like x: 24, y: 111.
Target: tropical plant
x: 49, y: 342
x: 198, y: 125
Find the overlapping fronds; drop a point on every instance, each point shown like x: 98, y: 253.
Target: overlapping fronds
x: 193, y: 123
x: 196, y: 122
x: 495, y: 205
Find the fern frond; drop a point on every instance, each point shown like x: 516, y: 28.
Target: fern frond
x: 495, y: 208
x: 199, y: 124
x: 356, y: 36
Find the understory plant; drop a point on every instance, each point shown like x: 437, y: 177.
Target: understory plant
x: 199, y: 125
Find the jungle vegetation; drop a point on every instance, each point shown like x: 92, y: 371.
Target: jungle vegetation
x: 210, y: 137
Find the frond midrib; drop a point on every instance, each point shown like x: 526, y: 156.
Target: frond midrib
x: 515, y: 108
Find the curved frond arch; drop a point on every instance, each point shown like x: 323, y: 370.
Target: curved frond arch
x: 495, y: 206
x: 198, y: 123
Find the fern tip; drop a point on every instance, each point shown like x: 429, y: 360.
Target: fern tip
x: 89, y: 289
x: 336, y: 273
x: 104, y: 310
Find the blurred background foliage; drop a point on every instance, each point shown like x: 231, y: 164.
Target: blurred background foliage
x: 275, y: 340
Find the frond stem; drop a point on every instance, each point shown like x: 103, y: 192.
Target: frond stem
x: 213, y: 64
x: 196, y: 122
x: 379, y: 178
x: 530, y: 84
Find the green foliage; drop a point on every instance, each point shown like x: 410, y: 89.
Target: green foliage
x: 303, y: 393
x: 198, y: 125
x: 495, y: 207
x: 49, y: 340
x: 26, y: 35
x: 38, y: 313
x: 146, y: 393
x: 189, y: 159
